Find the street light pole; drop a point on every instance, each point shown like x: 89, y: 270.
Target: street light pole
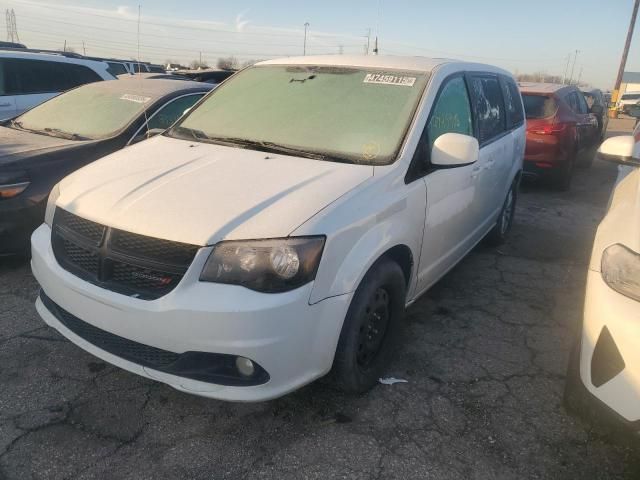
x: 304, y: 48
x: 625, y: 53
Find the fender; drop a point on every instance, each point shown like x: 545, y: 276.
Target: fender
x: 384, y: 215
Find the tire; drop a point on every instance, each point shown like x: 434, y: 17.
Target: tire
x: 499, y: 233
x: 370, y: 328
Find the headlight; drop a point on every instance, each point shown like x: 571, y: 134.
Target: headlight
x: 51, y: 204
x: 269, y: 266
x: 13, y: 184
x: 621, y: 270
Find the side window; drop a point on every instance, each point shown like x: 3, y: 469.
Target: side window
x: 572, y: 100
x: 77, y: 75
x: 512, y: 102
x: 169, y: 113
x: 2, y: 83
x: 582, y: 103
x: 24, y: 77
x: 116, y: 69
x: 488, y: 106
x: 451, y: 113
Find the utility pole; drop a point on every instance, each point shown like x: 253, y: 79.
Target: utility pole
x: 368, y: 39
x: 84, y: 49
x: 304, y: 48
x: 575, y: 57
x: 200, y: 60
x: 64, y: 48
x: 625, y: 53
x: 375, y: 46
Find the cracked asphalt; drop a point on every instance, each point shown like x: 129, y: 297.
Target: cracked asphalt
x: 484, y: 353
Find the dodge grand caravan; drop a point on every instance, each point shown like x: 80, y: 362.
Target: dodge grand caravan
x: 278, y: 230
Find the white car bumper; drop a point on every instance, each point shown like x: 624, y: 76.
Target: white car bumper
x: 620, y: 316
x: 294, y: 342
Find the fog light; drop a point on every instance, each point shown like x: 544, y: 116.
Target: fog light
x: 245, y: 366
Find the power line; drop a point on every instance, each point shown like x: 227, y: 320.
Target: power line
x: 169, y: 25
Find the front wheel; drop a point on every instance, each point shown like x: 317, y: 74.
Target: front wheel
x: 498, y: 235
x: 370, y: 328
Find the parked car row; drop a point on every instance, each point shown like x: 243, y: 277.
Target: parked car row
x: 274, y: 231
x: 29, y: 77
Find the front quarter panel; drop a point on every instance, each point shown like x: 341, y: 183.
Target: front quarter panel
x: 361, y: 227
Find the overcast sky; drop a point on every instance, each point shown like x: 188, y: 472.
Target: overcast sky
x: 522, y: 36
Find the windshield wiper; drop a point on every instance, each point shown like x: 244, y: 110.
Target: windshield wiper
x: 56, y: 132
x: 275, y: 148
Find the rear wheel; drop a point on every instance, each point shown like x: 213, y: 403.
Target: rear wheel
x: 370, y: 328
x: 498, y: 235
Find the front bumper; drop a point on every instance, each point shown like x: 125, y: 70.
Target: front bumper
x: 613, y: 320
x: 293, y: 341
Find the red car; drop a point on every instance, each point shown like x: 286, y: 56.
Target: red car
x: 561, y: 131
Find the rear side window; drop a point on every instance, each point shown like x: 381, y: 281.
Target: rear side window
x: 512, y: 103
x: 23, y: 76
x: 630, y: 96
x: 539, y: 106
x: 116, y: 69
x: 452, y: 111
x: 488, y: 106
x: 77, y: 75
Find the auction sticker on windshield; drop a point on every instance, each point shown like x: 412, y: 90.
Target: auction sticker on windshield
x: 385, y: 79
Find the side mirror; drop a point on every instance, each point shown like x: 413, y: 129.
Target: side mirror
x: 454, y: 150
x: 619, y: 150
x: 597, y: 109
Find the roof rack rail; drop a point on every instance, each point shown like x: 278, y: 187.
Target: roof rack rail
x: 38, y: 50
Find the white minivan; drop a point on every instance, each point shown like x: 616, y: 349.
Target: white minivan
x: 28, y: 78
x: 278, y: 230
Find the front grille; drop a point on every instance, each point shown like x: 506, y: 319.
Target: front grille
x: 134, y: 265
x: 128, y: 349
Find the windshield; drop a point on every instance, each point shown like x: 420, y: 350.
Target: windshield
x: 538, y: 106
x: 90, y: 112
x: 334, y: 113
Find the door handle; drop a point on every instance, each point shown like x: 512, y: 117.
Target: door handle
x: 5, y: 104
x: 475, y: 171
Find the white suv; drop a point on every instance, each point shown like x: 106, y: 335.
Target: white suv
x: 28, y: 78
x: 280, y: 228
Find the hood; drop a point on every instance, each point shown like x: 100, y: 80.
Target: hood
x: 622, y: 221
x: 17, y: 144
x: 202, y: 193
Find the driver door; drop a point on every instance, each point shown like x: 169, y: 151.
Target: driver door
x: 451, y: 192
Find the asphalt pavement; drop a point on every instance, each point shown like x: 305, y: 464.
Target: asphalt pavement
x: 484, y: 353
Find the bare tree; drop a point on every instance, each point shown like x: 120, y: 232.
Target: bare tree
x: 228, y: 63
